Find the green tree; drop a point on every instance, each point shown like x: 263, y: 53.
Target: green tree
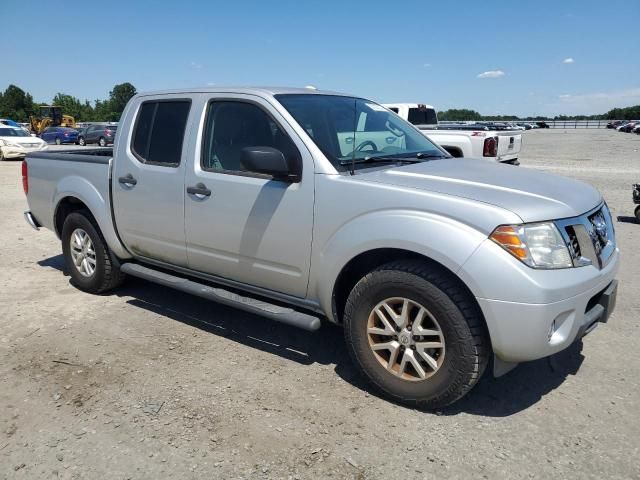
x: 82, y: 112
x: 16, y: 104
x: 119, y: 96
x: 459, y: 115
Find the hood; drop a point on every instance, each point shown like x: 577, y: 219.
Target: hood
x: 533, y: 196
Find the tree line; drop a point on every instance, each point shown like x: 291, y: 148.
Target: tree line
x: 464, y: 114
x: 18, y: 105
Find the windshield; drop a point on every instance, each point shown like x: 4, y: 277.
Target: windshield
x: 13, y: 132
x: 347, y: 128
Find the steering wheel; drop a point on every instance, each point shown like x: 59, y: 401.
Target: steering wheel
x: 367, y: 143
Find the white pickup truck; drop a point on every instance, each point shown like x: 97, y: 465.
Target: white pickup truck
x: 471, y: 141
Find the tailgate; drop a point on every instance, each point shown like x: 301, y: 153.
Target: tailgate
x: 509, y: 144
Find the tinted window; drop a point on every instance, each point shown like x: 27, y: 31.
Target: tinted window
x: 232, y: 126
x: 422, y: 116
x: 394, y: 109
x: 159, y: 132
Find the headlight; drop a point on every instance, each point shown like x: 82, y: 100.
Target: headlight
x: 538, y: 245
x: 4, y: 143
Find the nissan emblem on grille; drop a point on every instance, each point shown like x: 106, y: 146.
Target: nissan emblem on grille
x: 599, y: 231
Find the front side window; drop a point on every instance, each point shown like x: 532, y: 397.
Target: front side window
x: 234, y: 125
x: 353, y: 132
x: 159, y: 132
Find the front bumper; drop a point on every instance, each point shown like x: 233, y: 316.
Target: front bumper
x: 555, y: 308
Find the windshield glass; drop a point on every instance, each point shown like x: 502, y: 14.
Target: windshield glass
x: 347, y: 128
x: 13, y: 132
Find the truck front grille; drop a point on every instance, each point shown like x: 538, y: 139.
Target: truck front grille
x: 590, y: 237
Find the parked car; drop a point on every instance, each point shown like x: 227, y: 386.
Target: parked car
x: 103, y: 135
x: 432, y: 264
x: 10, y: 123
x: 542, y: 124
x: 491, y: 140
x: 59, y: 135
x: 636, y: 129
x: 614, y: 124
x: 16, y: 143
x: 628, y: 127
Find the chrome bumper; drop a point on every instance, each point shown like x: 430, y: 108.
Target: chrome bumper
x: 28, y: 216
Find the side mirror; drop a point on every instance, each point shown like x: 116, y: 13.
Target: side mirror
x: 270, y: 161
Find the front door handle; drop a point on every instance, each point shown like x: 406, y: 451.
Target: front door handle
x: 200, y: 191
x: 128, y: 180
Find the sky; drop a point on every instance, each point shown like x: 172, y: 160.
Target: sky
x: 540, y: 57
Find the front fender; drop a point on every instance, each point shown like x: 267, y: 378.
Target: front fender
x: 97, y: 203
x: 442, y: 239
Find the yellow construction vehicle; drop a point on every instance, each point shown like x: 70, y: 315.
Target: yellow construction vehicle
x: 50, y: 116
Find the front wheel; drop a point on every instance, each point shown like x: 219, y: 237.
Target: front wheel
x: 102, y: 142
x: 416, y: 334
x: 58, y: 141
x: 91, y: 265
x: 82, y: 142
x: 637, y: 212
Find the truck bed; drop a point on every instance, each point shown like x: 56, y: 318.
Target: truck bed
x: 54, y: 175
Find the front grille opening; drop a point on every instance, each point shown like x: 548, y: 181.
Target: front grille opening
x: 574, y: 245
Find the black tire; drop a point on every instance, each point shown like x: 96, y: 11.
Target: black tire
x: 106, y: 275
x: 58, y: 141
x: 466, y: 340
x: 637, y: 212
x: 102, y: 142
x: 82, y: 142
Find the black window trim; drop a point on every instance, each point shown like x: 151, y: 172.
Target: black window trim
x: 240, y: 173
x: 157, y: 101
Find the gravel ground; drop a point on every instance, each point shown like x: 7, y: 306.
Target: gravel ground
x: 151, y: 383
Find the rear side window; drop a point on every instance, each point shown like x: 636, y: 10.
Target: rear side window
x: 422, y: 116
x: 159, y: 132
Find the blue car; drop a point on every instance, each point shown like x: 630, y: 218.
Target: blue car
x: 59, y: 135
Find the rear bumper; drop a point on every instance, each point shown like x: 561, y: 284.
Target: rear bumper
x: 31, y: 220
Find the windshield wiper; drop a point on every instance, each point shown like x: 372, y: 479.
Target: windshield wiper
x: 431, y: 155
x: 380, y: 159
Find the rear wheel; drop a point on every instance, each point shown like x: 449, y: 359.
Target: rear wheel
x: 82, y: 142
x: 102, y: 142
x: 416, y: 334
x: 92, y: 267
x: 637, y: 212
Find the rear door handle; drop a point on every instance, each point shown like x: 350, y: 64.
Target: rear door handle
x: 128, y: 180
x: 200, y: 191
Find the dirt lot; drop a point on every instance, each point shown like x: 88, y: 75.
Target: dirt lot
x: 150, y: 383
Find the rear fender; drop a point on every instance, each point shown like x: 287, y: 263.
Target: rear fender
x: 99, y: 206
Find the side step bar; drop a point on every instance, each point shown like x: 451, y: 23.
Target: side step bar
x: 252, y: 305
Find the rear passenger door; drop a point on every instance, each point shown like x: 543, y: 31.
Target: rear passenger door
x: 148, y: 179
x: 250, y: 227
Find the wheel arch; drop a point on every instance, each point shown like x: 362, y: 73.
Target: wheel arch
x: 365, y: 262
x: 76, y: 193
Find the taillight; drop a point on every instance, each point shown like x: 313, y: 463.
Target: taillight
x: 25, y: 177
x: 490, y: 147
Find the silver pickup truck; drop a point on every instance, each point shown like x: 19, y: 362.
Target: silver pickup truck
x: 304, y: 206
